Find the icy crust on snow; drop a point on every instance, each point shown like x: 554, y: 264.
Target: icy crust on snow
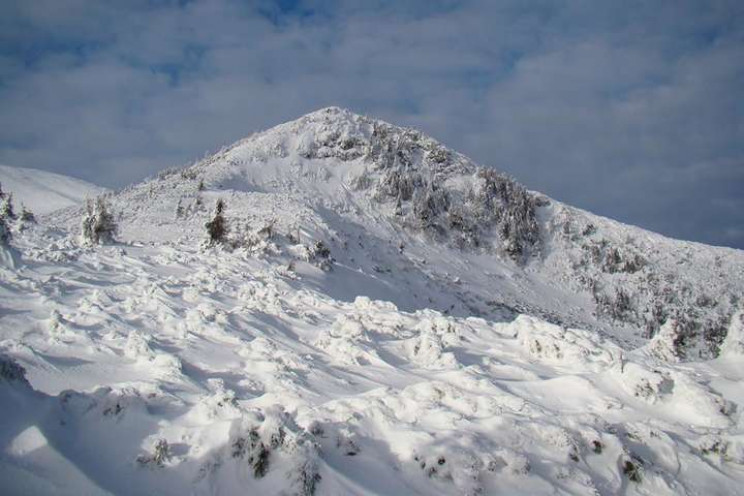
x: 156, y: 370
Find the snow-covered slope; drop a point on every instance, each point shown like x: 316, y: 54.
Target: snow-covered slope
x: 424, y: 226
x: 44, y: 192
x: 163, y: 370
x: 384, y: 317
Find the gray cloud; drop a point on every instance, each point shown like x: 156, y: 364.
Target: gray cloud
x: 633, y: 110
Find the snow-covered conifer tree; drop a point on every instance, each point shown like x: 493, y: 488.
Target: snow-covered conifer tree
x: 6, y: 207
x: 98, y: 224
x: 217, y: 227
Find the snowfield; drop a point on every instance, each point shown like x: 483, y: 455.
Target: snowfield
x: 44, y: 192
x: 346, y: 341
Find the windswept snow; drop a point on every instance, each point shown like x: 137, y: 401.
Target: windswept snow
x: 342, y: 341
x: 156, y: 370
x: 44, y: 192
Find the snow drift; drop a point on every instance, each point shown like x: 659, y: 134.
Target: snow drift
x: 380, y: 315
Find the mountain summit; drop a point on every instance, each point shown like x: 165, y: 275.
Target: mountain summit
x: 338, y: 305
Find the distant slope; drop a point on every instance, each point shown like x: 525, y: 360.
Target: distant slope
x: 44, y: 192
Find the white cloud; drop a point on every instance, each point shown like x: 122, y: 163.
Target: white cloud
x: 634, y: 111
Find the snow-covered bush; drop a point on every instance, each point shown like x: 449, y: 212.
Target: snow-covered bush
x: 734, y: 342
x: 98, y: 226
x: 217, y: 227
x: 5, y: 234
x: 7, y: 210
x: 264, y: 438
x: 668, y: 344
x: 319, y: 254
x: 27, y: 216
x: 255, y: 242
x: 616, y: 307
x: 609, y: 258
x: 633, y: 468
x: 10, y: 371
x: 430, y: 204
x: 161, y: 453
x: 510, y: 208
x: 413, y: 170
x: 253, y: 450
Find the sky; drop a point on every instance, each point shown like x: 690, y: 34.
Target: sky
x: 630, y: 109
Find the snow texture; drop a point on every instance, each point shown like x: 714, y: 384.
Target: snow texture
x: 382, y: 316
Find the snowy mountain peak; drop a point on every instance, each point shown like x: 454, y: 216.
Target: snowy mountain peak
x: 341, y: 306
x: 385, y: 200
x: 341, y: 159
x: 325, y: 133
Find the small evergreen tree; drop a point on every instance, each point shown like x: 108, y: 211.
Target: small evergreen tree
x: 27, y: 215
x: 5, y: 234
x: 99, y: 225
x: 217, y: 227
x: 6, y: 208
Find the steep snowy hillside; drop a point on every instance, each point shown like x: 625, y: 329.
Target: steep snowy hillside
x: 381, y: 316
x: 44, y: 192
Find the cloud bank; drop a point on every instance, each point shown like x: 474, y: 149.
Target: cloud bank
x: 634, y: 110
